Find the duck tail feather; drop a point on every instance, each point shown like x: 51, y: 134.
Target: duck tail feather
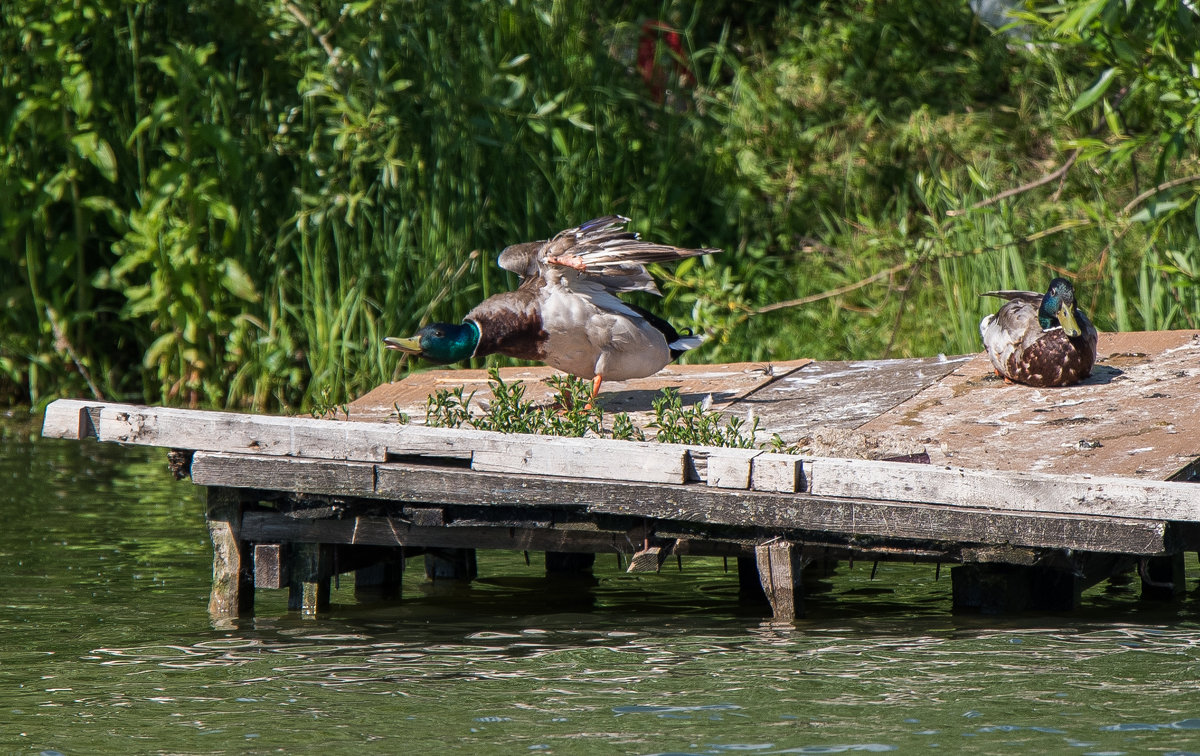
x: 684, y: 343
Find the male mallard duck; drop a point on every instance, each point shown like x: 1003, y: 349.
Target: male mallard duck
x: 1040, y: 339
x: 566, y: 313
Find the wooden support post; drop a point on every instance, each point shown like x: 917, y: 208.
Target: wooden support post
x: 270, y: 565
x: 780, y: 565
x: 311, y: 569
x: 569, y: 563
x: 382, y: 581
x: 649, y: 559
x: 451, y: 564
x: 996, y: 588
x: 750, y: 587
x: 1162, y: 577
x: 233, y: 576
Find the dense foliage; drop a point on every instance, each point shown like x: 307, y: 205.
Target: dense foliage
x: 228, y: 203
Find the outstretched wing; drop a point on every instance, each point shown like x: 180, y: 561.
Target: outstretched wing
x: 1031, y: 297
x: 603, y: 252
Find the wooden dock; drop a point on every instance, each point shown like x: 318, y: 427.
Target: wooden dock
x: 1032, y: 494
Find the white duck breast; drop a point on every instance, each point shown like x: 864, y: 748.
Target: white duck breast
x: 590, y: 331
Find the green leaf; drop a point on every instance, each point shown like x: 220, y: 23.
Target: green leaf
x: 237, y: 281
x: 96, y: 151
x: 79, y: 93
x: 1094, y: 92
x: 1155, y: 210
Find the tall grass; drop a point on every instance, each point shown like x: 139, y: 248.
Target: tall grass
x: 229, y: 203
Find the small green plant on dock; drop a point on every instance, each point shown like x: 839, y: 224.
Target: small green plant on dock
x: 695, y: 424
x: 570, y: 415
x: 510, y: 412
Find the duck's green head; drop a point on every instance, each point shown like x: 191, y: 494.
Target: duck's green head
x: 439, y: 342
x: 1058, y: 307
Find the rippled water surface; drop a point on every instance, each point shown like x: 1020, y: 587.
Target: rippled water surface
x: 106, y: 647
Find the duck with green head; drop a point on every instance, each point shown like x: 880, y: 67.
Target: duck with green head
x: 1040, y: 339
x: 566, y: 312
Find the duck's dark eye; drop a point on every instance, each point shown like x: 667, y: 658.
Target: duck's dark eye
x: 439, y: 333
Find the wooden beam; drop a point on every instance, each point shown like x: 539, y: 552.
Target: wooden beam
x: 383, y: 580
x: 604, y: 459
x: 695, y: 503
x: 780, y: 564
x: 730, y: 468
x: 384, y: 531
x: 649, y: 558
x: 311, y: 570
x: 457, y: 564
x: 270, y: 565
x: 1163, y: 578
x: 232, y: 593
x: 782, y: 473
x: 202, y: 430
x: 1008, y: 490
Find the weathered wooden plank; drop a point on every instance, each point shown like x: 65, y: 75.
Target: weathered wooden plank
x: 1016, y: 491
x: 841, y: 394
x: 604, y: 459
x: 782, y: 473
x: 730, y: 468
x: 584, y: 458
x: 384, y: 531
x: 231, y: 431
x: 69, y: 418
x: 336, y: 440
x: 712, y: 506
x: 284, y: 474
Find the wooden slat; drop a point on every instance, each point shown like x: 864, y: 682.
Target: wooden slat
x: 70, y: 418
x: 372, y: 442
x: 701, y: 504
x: 783, y: 473
x: 231, y: 431
x: 730, y: 468
x: 897, y: 481
x: 543, y: 455
x: 384, y: 531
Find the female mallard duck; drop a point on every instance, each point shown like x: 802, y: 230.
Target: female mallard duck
x: 1040, y: 339
x: 566, y: 313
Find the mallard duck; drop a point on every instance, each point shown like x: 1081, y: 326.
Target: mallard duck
x: 1040, y: 339
x: 565, y: 312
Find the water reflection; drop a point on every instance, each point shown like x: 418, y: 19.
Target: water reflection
x: 105, y: 646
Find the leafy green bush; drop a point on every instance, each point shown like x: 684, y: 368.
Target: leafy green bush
x: 229, y: 203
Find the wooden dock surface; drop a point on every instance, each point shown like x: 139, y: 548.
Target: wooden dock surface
x: 1138, y: 415
x: 1034, y: 493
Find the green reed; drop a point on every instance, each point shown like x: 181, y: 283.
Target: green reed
x: 231, y: 203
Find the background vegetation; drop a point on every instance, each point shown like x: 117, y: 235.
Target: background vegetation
x: 228, y: 203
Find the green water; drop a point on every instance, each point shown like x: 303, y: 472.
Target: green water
x: 106, y: 647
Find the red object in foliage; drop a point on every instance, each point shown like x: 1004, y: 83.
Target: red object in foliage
x: 654, y: 73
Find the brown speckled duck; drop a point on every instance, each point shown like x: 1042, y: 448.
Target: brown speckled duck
x: 1040, y: 339
x: 566, y: 312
